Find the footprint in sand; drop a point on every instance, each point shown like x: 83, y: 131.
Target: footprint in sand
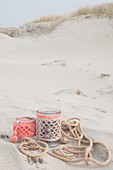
x: 105, y: 91
x: 71, y: 92
x: 56, y: 63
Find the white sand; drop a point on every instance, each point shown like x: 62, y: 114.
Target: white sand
x: 46, y: 72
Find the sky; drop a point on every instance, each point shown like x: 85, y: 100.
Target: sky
x: 14, y: 13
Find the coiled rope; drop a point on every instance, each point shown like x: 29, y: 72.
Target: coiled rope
x: 80, y: 151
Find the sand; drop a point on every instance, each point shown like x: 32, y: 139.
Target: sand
x: 46, y: 71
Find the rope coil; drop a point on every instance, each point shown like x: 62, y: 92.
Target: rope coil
x: 30, y: 145
x: 71, y: 130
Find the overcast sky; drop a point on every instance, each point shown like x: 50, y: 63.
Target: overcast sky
x: 18, y: 12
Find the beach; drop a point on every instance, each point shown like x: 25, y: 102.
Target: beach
x: 47, y: 72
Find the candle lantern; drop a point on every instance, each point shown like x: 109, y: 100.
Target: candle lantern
x: 23, y: 127
x: 49, y: 126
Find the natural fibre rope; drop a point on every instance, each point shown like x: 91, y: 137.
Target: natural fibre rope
x: 71, y: 131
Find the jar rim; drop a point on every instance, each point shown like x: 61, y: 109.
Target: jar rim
x: 48, y: 111
x: 25, y: 119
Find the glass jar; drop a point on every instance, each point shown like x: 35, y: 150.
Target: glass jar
x: 24, y: 127
x: 48, y: 126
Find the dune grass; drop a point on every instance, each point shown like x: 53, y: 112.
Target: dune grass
x: 104, y: 9
x: 7, y: 31
x: 55, y: 20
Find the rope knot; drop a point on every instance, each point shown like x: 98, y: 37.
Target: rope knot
x: 32, y: 145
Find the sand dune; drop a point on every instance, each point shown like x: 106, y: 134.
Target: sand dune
x: 46, y: 71
x: 46, y: 24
